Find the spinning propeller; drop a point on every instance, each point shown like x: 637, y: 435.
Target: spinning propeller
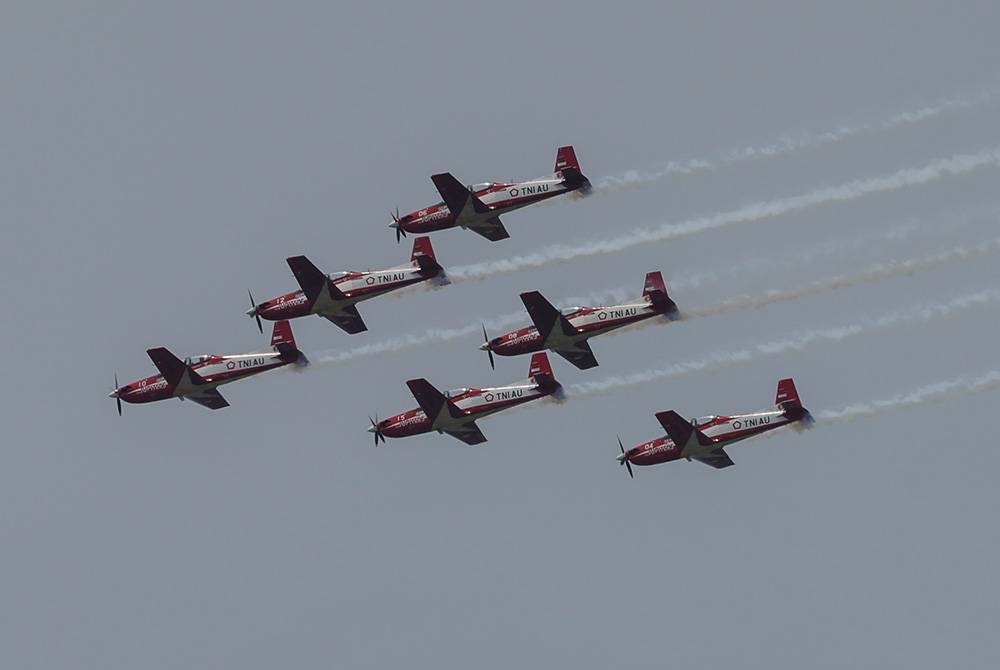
x: 375, y: 429
x: 400, y: 232
x: 114, y: 395
x: 253, y: 312
x: 624, y: 459
x: 486, y: 346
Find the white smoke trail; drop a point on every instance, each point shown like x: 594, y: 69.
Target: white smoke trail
x: 873, y: 274
x: 492, y: 324
x: 795, y: 342
x: 789, y: 143
x: 936, y: 392
x: 758, y: 211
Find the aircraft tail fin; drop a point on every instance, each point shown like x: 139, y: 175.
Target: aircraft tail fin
x: 283, y: 341
x: 423, y: 255
x: 540, y: 371
x: 787, y: 398
x: 566, y: 158
x: 569, y: 167
x: 787, y: 395
x: 655, y: 289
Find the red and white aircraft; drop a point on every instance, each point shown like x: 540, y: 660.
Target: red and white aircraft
x: 334, y: 296
x: 704, y: 439
x: 196, y: 377
x: 478, y: 207
x: 566, y: 333
x: 455, y: 412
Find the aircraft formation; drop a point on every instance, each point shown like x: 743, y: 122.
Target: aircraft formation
x: 564, y: 332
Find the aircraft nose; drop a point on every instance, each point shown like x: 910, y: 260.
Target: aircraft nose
x: 113, y: 394
x: 485, y: 346
x: 372, y: 428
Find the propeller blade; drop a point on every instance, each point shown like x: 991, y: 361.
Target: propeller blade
x: 625, y: 461
x: 489, y: 351
x: 376, y: 431
x: 253, y: 305
x: 395, y: 224
x: 118, y: 400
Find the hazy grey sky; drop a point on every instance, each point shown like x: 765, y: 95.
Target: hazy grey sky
x: 834, y: 173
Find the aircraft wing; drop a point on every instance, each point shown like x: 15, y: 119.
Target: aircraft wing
x: 209, y: 398
x: 468, y: 433
x: 545, y: 316
x: 717, y: 459
x: 309, y: 277
x: 432, y: 401
x: 491, y: 229
x: 462, y: 202
x: 681, y: 432
x: 580, y: 355
x: 348, y: 319
x: 171, y: 367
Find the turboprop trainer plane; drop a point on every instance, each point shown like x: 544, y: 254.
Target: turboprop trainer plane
x: 479, y: 206
x: 334, y: 296
x: 566, y: 333
x: 455, y: 412
x: 196, y: 377
x: 704, y: 439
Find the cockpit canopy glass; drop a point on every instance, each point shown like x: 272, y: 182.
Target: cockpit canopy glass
x: 566, y: 311
x: 703, y: 420
x: 194, y: 360
x: 455, y: 392
x: 481, y: 186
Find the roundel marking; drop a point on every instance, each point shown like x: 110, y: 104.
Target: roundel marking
x: 369, y: 280
x: 488, y: 397
x: 230, y: 365
x: 513, y: 192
